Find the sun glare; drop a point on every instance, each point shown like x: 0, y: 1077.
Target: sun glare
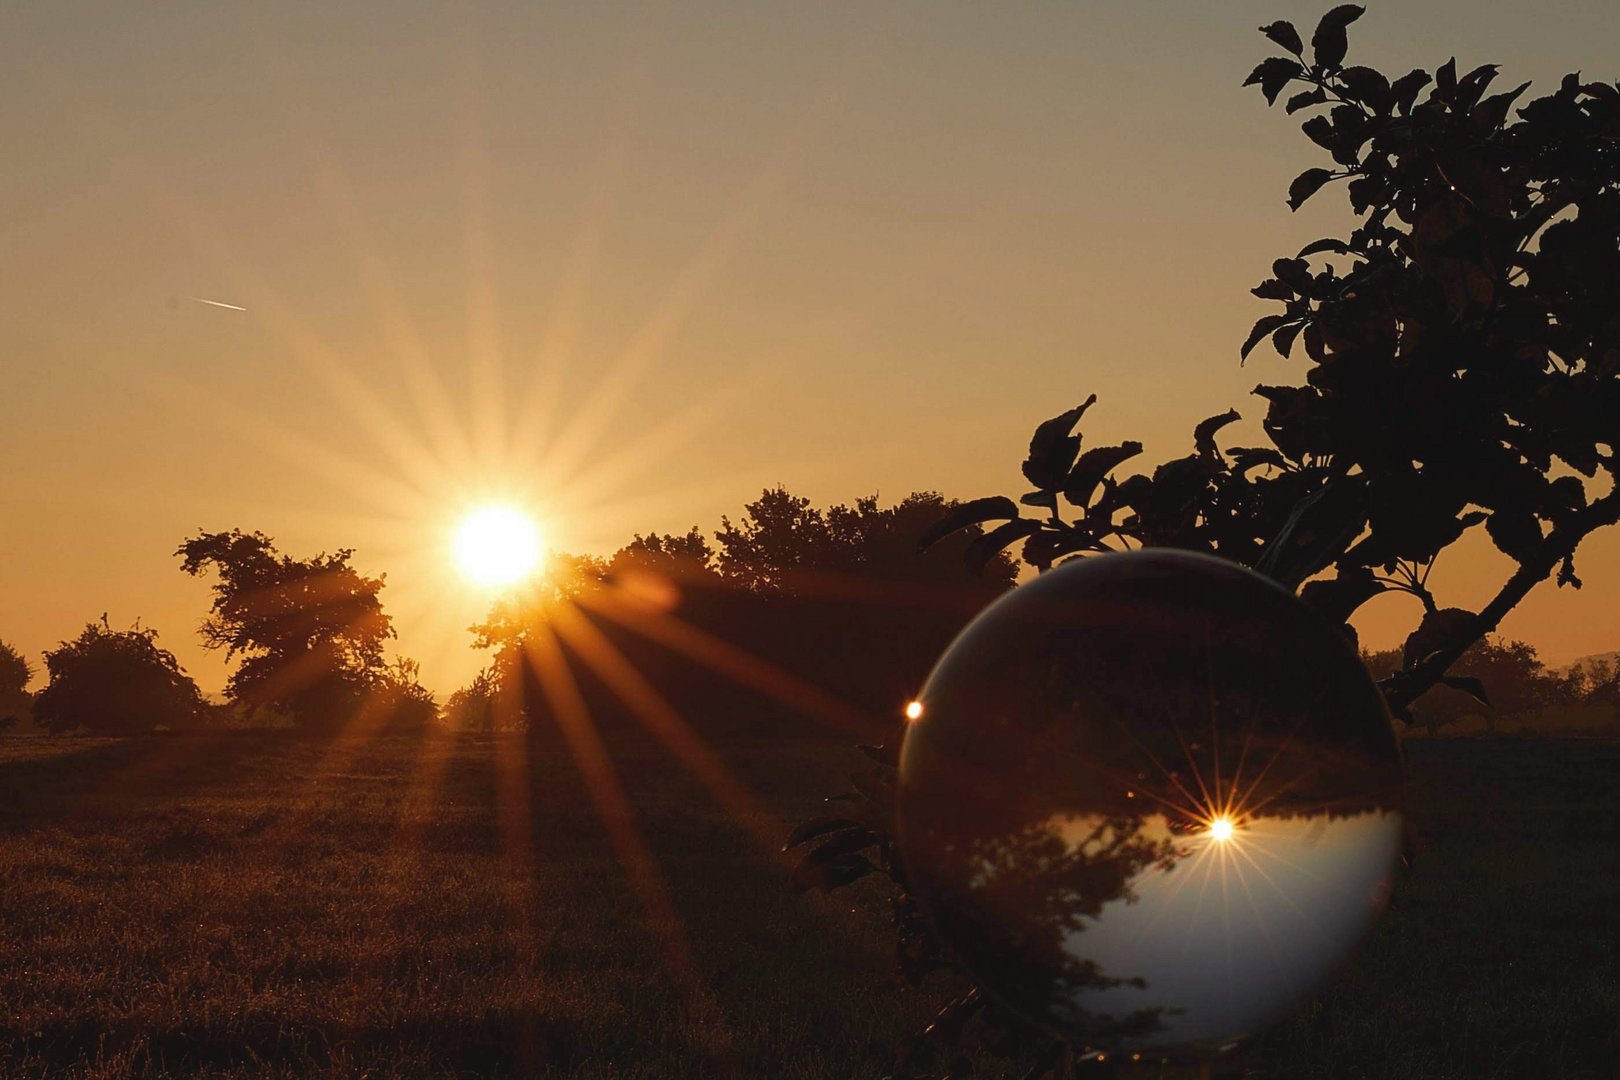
x: 1221, y: 829
x: 497, y: 546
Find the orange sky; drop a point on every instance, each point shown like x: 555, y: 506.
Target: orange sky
x: 631, y: 264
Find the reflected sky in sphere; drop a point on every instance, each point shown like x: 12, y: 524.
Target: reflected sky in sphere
x: 1151, y: 800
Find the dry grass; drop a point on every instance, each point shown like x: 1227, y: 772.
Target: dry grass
x: 259, y: 905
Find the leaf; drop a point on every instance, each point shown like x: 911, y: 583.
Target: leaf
x: 1405, y: 88
x: 1252, y: 457
x: 984, y: 548
x: 1283, y: 339
x: 1274, y: 289
x: 1468, y: 685
x: 1266, y: 325
x: 1566, y: 573
x: 963, y: 515
x: 1338, y: 597
x: 1317, y: 247
x: 1516, y: 534
x: 1445, y: 80
x: 1093, y: 465
x: 1305, y: 185
x: 1305, y: 99
x: 822, y: 826
x: 1490, y: 113
x: 1204, y: 433
x: 1472, y: 85
x: 1284, y: 34
x: 1319, y: 129
x: 1329, y: 43
x: 1052, y: 448
x: 1366, y: 85
x: 1437, y: 630
x: 1044, y: 499
x: 1273, y: 75
x: 1294, y: 420
x: 1315, y: 348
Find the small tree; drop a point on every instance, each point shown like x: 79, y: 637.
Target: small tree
x: 778, y: 533
x: 116, y: 682
x: 480, y: 708
x: 406, y: 703
x: 16, y: 702
x: 309, y: 632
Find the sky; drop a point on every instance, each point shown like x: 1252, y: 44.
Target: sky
x: 629, y: 264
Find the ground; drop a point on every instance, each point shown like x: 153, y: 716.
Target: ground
x: 255, y: 904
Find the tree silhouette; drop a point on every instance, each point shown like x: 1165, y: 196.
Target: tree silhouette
x: 116, y: 682
x: 781, y: 539
x: 402, y: 700
x: 1462, y: 355
x: 309, y: 632
x: 1517, y: 679
x: 687, y: 557
x: 476, y: 707
x: 1462, y: 347
x: 837, y: 597
x: 15, y: 700
x: 778, y: 533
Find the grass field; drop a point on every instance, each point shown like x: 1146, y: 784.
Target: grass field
x: 253, y: 904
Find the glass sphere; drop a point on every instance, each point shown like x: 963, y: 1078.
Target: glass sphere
x: 1151, y: 800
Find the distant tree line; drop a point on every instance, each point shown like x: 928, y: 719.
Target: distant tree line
x: 1510, y: 683
x: 308, y: 635
x: 788, y: 596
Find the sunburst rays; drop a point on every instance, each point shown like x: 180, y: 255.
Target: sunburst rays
x: 500, y: 432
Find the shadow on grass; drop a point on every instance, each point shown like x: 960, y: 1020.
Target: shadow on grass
x: 52, y: 781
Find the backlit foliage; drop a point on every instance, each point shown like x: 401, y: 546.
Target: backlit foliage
x: 1461, y: 347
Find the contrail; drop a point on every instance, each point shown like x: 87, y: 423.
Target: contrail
x: 217, y: 303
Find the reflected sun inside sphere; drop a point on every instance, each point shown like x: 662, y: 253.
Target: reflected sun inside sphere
x: 497, y: 546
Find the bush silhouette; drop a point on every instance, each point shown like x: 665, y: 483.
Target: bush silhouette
x: 116, y: 682
x: 16, y: 703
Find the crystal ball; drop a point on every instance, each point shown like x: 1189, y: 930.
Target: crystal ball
x: 1151, y: 801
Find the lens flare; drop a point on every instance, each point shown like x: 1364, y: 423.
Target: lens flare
x: 496, y: 546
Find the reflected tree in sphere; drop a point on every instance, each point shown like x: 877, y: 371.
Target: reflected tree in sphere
x: 1151, y: 800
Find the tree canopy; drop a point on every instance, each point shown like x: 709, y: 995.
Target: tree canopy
x: 781, y: 538
x: 1461, y: 347
x: 837, y: 596
x: 116, y: 682
x: 15, y: 671
x: 309, y: 632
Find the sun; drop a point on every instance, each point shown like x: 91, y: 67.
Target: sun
x: 496, y: 546
x: 1221, y: 828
